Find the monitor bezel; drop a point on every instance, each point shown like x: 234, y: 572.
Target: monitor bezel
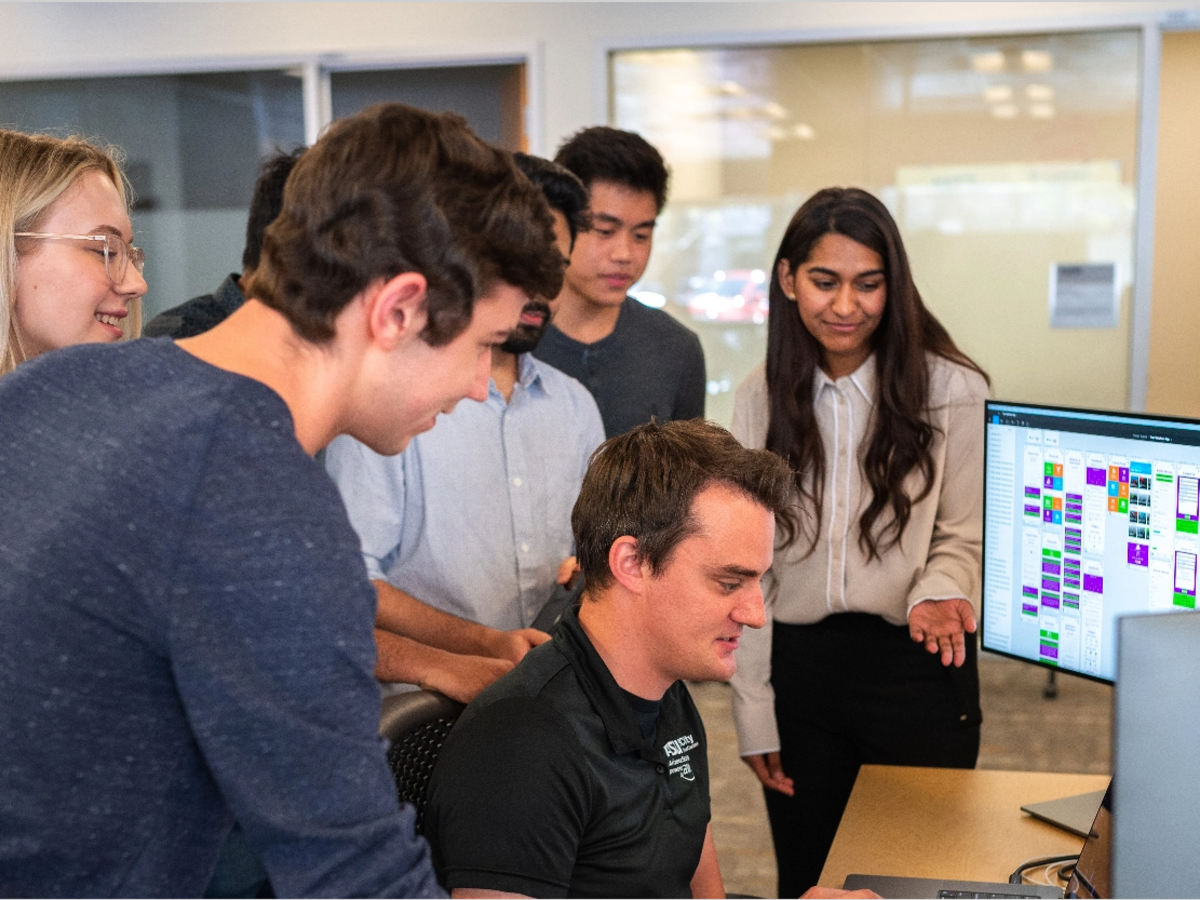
x: 1069, y: 410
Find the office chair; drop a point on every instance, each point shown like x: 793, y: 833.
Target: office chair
x: 416, y: 725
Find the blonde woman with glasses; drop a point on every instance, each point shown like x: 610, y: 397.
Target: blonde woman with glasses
x: 69, y: 273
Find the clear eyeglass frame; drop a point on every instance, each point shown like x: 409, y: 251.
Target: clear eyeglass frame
x: 117, y: 253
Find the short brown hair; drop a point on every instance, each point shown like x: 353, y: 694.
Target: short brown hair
x: 397, y: 189
x: 642, y: 484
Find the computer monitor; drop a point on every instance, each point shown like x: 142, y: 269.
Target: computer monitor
x: 1088, y: 516
x: 1156, y: 724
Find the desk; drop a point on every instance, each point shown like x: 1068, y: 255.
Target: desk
x: 961, y: 824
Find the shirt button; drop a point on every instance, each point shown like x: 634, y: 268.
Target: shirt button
x: 524, y: 548
x: 517, y: 481
x: 660, y: 769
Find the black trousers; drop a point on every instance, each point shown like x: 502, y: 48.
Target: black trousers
x: 850, y: 690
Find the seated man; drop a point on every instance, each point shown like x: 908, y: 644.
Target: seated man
x: 187, y: 626
x: 583, y: 772
x: 474, y: 518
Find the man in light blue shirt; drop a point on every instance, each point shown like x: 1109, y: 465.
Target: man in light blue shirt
x: 474, y: 518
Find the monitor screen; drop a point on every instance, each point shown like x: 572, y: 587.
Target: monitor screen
x: 1087, y: 516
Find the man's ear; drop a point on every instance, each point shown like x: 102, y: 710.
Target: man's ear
x: 396, y: 309
x: 625, y: 563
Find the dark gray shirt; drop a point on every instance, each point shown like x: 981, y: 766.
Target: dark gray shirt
x: 650, y: 366
x: 187, y: 637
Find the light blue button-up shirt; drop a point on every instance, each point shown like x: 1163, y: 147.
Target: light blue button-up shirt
x: 474, y: 517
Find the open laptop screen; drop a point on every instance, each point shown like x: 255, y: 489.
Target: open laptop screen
x: 1093, y: 873
x: 1087, y: 516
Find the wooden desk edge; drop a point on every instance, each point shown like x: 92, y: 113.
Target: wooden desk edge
x: 949, y: 823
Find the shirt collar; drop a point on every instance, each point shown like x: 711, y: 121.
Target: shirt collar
x: 864, y: 379
x: 603, y: 692
x: 529, y: 373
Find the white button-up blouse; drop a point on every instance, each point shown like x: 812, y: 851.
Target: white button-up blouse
x: 938, y: 558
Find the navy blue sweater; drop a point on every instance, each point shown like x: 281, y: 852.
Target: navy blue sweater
x: 185, y: 638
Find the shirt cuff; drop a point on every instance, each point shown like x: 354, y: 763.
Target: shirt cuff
x: 754, y: 719
x: 937, y: 586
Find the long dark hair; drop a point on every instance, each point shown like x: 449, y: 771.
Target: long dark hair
x: 900, y: 434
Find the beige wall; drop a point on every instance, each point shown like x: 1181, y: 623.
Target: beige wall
x: 1174, y: 383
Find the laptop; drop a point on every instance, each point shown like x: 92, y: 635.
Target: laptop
x: 1091, y: 877
x: 1074, y: 814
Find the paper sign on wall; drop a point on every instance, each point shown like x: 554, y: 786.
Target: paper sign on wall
x: 1083, y: 295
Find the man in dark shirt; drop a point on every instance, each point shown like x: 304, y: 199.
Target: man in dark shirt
x: 199, y: 314
x: 638, y: 362
x: 187, y: 622
x: 583, y: 772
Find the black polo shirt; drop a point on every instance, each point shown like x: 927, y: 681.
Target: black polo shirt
x: 556, y: 782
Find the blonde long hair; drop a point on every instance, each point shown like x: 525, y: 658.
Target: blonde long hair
x: 35, y: 170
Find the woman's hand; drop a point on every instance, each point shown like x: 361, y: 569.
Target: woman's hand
x: 769, y: 771
x: 940, y: 626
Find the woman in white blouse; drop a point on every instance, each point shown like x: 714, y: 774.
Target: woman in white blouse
x: 865, y: 657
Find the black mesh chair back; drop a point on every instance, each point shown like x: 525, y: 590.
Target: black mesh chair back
x: 416, y: 725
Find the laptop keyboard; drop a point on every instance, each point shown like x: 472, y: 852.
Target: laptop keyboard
x: 958, y: 895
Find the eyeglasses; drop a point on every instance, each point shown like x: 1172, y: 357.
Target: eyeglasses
x: 117, y: 253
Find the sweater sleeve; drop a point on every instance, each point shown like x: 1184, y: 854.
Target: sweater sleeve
x: 753, y: 696
x: 952, y: 567
x: 272, y: 651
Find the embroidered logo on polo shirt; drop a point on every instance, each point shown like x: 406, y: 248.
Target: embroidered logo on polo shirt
x: 679, y: 758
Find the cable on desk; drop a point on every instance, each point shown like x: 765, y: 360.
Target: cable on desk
x: 1063, y: 873
x: 1015, y: 877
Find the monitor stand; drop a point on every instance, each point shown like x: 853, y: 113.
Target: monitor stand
x: 1074, y: 814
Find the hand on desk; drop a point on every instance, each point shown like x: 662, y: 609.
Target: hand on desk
x: 769, y: 771
x: 940, y: 626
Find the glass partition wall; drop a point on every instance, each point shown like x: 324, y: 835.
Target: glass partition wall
x: 193, y: 143
x: 1000, y: 157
